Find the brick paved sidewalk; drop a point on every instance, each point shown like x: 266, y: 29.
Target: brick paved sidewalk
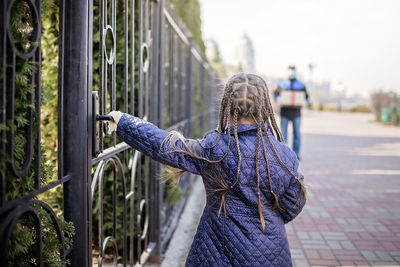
x: 352, y: 217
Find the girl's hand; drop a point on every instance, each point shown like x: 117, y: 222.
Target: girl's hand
x: 116, y: 115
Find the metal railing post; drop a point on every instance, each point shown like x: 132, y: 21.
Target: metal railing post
x: 190, y: 89
x: 212, y: 99
x: 75, y: 125
x: 156, y: 116
x: 2, y: 102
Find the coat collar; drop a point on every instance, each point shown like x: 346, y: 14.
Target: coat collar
x: 246, y: 128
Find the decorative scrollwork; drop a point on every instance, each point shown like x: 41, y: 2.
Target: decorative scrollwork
x: 34, y: 29
x: 98, y: 180
x: 109, y: 58
x: 142, y: 209
x: 9, y: 222
x: 22, y: 45
x: 145, y: 57
x: 107, y: 240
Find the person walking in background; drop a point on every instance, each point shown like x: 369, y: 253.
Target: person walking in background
x: 250, y: 175
x: 291, y: 95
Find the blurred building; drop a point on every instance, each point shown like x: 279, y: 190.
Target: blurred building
x: 319, y: 92
x: 245, y: 55
x: 335, y: 95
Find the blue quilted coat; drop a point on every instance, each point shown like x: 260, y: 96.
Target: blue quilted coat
x: 234, y: 239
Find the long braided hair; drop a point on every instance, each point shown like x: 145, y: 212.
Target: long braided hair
x: 245, y: 96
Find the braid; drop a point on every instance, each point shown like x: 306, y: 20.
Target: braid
x: 271, y: 116
x: 276, y: 199
x: 235, y: 119
x: 275, y: 127
x: 223, y: 107
x: 260, y: 213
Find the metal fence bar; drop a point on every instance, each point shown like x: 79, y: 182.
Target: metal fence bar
x: 75, y: 115
x: 3, y: 97
x: 189, y: 88
x: 157, y: 118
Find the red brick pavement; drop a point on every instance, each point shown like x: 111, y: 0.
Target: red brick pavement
x: 351, y: 218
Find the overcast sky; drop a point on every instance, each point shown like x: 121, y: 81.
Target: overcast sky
x: 356, y: 42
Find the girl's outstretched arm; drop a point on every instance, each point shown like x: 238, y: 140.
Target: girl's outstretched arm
x: 148, y: 139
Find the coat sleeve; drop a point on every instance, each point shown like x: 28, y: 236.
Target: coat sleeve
x: 148, y: 139
x: 292, y: 199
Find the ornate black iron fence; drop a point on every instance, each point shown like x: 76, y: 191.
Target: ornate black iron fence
x: 125, y: 55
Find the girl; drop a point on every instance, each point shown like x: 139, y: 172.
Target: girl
x: 250, y: 176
